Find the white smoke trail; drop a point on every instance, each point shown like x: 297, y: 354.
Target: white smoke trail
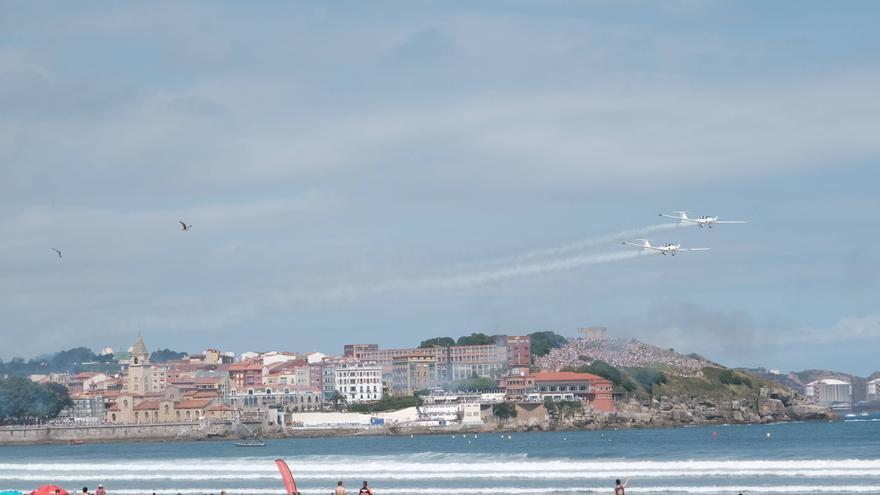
x: 463, y: 280
x: 589, y: 243
x: 231, y: 311
x: 520, y: 270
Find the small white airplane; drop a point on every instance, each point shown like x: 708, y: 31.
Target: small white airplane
x: 664, y: 249
x: 703, y: 221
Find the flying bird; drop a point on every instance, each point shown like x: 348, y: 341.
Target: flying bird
x: 184, y: 226
x: 58, y: 251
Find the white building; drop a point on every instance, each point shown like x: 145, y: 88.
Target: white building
x: 441, y: 412
x: 358, y: 382
x: 315, y: 357
x: 873, y: 389
x: 277, y: 357
x: 829, y: 391
x: 471, y: 413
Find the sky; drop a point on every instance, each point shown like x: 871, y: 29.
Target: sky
x: 387, y: 172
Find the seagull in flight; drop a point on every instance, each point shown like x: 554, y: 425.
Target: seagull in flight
x: 58, y: 251
x: 184, y: 226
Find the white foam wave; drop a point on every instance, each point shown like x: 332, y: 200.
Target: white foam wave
x: 411, y: 476
x: 543, y: 490
x: 462, y: 464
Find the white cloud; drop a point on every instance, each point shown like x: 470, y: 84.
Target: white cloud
x: 624, y: 134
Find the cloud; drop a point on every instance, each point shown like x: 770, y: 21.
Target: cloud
x: 633, y: 133
x: 853, y: 328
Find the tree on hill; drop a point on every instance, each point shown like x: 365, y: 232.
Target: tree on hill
x: 162, y: 355
x: 105, y: 358
x: 564, y: 408
x: 476, y: 339
x: 71, y: 359
x: 504, y: 411
x: 608, y: 372
x: 338, y: 400
x: 388, y: 404
x: 542, y: 342
x: 477, y: 383
x: 437, y: 342
x: 22, y: 399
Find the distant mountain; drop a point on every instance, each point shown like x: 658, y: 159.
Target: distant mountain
x: 790, y: 380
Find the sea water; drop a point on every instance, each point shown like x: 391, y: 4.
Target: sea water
x: 833, y: 458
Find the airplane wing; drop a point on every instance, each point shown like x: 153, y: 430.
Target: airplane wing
x: 694, y: 249
x: 730, y: 221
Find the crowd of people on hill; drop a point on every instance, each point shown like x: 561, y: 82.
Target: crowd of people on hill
x: 618, y: 352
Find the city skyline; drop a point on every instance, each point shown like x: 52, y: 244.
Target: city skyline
x: 390, y: 174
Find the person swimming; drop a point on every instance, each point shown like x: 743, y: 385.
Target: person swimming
x: 620, y: 489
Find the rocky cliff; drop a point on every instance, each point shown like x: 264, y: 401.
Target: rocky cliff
x: 769, y: 407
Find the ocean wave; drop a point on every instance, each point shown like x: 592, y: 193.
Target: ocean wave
x: 544, y: 490
x: 462, y: 465
x: 385, y: 475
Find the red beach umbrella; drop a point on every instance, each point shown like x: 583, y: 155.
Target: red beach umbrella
x: 49, y: 490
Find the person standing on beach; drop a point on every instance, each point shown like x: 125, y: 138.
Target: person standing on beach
x: 620, y: 489
x: 85, y: 490
x: 100, y: 490
x: 340, y: 490
x: 365, y: 490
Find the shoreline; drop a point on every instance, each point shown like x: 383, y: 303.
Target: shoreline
x: 398, y: 431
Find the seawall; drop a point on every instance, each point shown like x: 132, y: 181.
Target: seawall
x: 12, y: 435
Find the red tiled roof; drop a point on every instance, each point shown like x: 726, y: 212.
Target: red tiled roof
x: 204, y: 394
x: 114, y: 408
x: 220, y: 407
x: 147, y: 404
x: 245, y: 367
x: 209, y: 379
x: 566, y: 376
x: 192, y: 404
